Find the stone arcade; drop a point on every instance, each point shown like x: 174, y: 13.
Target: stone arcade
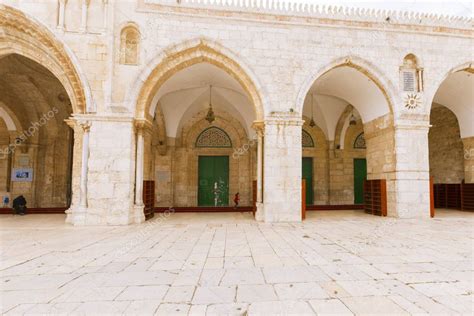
x: 97, y: 96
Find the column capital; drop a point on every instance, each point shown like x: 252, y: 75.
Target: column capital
x: 85, y: 125
x: 142, y: 125
x: 259, y: 127
x: 71, y: 122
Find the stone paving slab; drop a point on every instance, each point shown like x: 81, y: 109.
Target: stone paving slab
x: 334, y: 263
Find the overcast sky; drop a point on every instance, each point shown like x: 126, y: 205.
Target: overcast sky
x: 451, y: 7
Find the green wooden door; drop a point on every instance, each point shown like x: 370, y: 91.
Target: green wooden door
x: 213, y: 177
x: 360, y: 174
x: 308, y: 176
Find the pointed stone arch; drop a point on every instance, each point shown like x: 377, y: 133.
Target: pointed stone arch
x: 8, y: 116
x: 21, y: 34
x: 443, y: 75
x: 179, y: 57
x: 387, y: 88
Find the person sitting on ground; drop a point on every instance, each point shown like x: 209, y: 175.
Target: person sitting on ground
x: 19, y: 205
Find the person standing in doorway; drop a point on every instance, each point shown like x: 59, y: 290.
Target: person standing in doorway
x: 236, y: 199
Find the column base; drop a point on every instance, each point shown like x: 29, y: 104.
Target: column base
x: 259, y: 214
x: 85, y: 216
x: 76, y: 215
x: 280, y: 213
x: 81, y: 216
x: 138, y: 215
x: 408, y: 198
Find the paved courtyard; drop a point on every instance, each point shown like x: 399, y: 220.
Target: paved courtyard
x: 226, y: 263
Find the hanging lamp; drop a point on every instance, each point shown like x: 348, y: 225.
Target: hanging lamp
x: 210, y: 117
x: 312, y: 123
x: 352, y: 120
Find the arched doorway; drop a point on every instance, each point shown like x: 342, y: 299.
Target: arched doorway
x: 451, y: 141
x: 36, y: 142
x: 40, y: 88
x: 200, y: 143
x: 352, y: 109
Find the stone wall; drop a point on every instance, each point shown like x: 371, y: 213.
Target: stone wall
x: 469, y: 159
x: 341, y: 171
x: 446, y: 147
x: 4, y: 160
x: 320, y: 163
x: 50, y: 161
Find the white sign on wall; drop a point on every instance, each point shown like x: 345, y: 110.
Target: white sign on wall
x: 22, y: 174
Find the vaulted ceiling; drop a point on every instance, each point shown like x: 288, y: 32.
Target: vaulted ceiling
x: 27, y: 92
x: 335, y: 90
x: 457, y: 94
x: 188, y: 92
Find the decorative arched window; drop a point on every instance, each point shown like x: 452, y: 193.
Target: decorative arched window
x: 307, y: 140
x: 359, y: 142
x: 213, y: 137
x: 129, y: 45
x: 411, y: 76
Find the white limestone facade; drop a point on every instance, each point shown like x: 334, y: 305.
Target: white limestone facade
x: 145, y: 67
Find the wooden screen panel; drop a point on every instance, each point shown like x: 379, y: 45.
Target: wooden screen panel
x: 254, y: 197
x: 303, y: 199
x: 439, y: 195
x: 467, y: 196
x: 375, y: 197
x: 149, y: 198
x: 447, y: 195
x: 453, y: 196
x: 432, y: 200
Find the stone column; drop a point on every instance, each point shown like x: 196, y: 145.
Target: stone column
x: 85, y: 8
x: 85, y: 125
x: 76, y: 214
x: 468, y: 159
x: 108, y: 163
x: 282, y: 167
x: 139, y: 167
x: 259, y: 128
x: 62, y: 12
x: 105, y: 4
x: 408, y: 188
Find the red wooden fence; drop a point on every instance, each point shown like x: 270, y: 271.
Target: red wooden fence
x: 432, y: 203
x: 254, y: 197
x: 149, y: 198
x: 303, y: 199
x: 375, y: 197
x: 459, y: 196
x: 467, y: 196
